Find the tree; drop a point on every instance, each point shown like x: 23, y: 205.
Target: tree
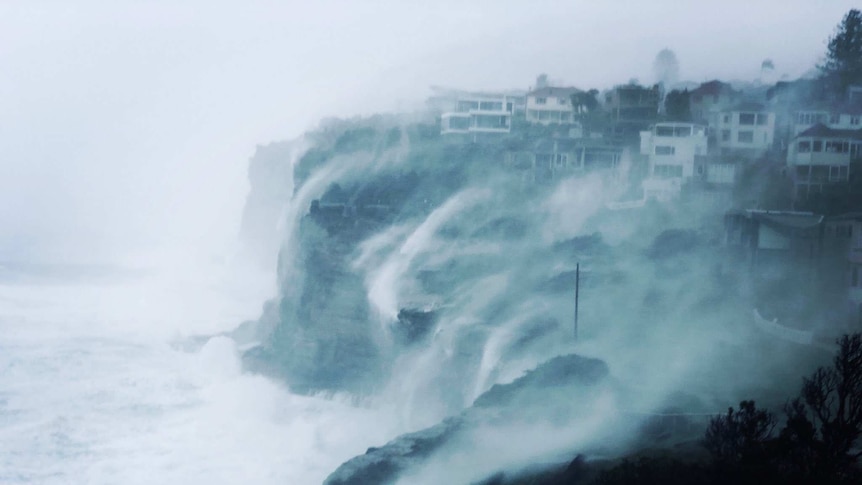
x: 587, y: 110
x: 821, y: 438
x: 676, y: 105
x: 843, y: 64
x: 585, y: 102
x: 834, y: 397
x: 739, y: 437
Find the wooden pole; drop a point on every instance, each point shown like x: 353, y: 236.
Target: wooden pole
x: 577, y: 290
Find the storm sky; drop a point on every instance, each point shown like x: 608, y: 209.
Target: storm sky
x: 126, y: 127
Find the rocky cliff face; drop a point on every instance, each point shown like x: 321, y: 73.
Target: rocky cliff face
x: 270, y: 176
x: 535, y: 394
x: 326, y: 338
x: 417, y: 272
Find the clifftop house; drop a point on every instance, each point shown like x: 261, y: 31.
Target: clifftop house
x: 549, y: 104
x: 821, y: 156
x: 746, y: 129
x: 475, y: 112
x: 632, y: 106
x: 673, y: 152
x: 710, y: 98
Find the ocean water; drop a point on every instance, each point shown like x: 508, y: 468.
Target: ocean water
x: 118, y: 377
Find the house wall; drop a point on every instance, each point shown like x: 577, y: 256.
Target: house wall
x: 812, y: 166
x: 478, y: 113
x: 746, y: 130
x: 676, y: 151
x: 721, y: 173
x: 705, y: 108
x: 804, y: 119
x: 845, y: 121
x: 554, y: 109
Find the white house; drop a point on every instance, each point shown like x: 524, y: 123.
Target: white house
x: 708, y: 99
x: 745, y: 128
x: 548, y: 105
x: 672, y: 147
x: 675, y: 153
x: 847, y: 117
x: 820, y: 156
x: 476, y: 112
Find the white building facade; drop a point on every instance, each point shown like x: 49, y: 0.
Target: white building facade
x: 672, y: 149
x: 549, y: 105
x: 841, y: 118
x: 746, y: 128
x: 820, y: 156
x: 674, y: 152
x: 476, y: 112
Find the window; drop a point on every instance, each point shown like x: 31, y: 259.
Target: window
x: 464, y: 106
x: 663, y: 130
x: 491, y: 106
x: 844, y: 230
x: 803, y: 147
x: 808, y: 118
x: 854, y: 120
x: 818, y: 146
x: 803, y: 171
x: 561, y: 159
x: 838, y: 173
x: 834, y: 119
x: 745, y: 136
x: 458, y: 123
x: 762, y: 118
x: 726, y: 119
x: 665, y: 150
x: 541, y: 100
x: 665, y: 171
x: 491, y: 121
x: 746, y: 118
x: 837, y: 147
x: 563, y: 101
x: 682, y: 131
x: 725, y: 135
x: 819, y: 173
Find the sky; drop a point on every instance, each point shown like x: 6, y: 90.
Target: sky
x: 126, y: 126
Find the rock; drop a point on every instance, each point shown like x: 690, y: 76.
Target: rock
x: 382, y: 465
x: 526, y: 395
x: 565, y: 370
x: 413, y: 325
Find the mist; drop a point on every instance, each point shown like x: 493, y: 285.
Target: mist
x: 139, y: 103
x: 237, y: 247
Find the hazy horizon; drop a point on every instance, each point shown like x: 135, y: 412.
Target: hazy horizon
x: 126, y: 128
